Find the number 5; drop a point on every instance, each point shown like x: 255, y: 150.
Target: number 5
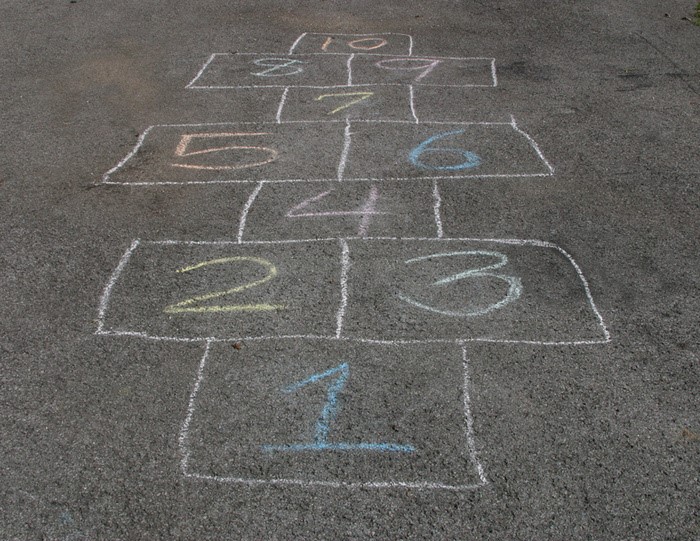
x: 182, y: 152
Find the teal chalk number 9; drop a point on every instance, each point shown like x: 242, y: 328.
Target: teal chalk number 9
x: 468, y: 159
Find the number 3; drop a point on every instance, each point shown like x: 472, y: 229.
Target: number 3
x: 514, y: 285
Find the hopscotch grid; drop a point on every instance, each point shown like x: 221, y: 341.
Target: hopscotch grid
x: 515, y: 242
x: 469, y: 428
x: 413, y: 57
x: 246, y: 210
x: 344, y: 271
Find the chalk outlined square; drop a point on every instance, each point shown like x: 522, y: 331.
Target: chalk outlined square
x: 300, y: 210
x: 441, y: 150
x: 256, y: 70
x: 468, y: 290
x: 231, y: 152
x: 309, y: 414
x: 423, y: 70
x: 192, y: 291
x: 368, y: 103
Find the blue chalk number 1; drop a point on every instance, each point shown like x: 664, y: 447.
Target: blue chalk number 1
x: 338, y: 377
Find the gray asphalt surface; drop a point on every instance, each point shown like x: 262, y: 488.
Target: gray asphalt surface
x: 503, y: 347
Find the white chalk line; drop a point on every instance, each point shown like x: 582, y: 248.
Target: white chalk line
x: 471, y: 443
x: 533, y: 144
x: 348, y: 66
x: 331, y: 338
x: 202, y: 70
x: 326, y: 179
x: 413, y: 107
x: 137, y: 146
x: 106, y: 293
x: 335, y: 484
x: 354, y: 85
x: 437, y: 202
x: 278, y: 116
x: 296, y: 42
x: 493, y: 72
x: 184, y: 437
x: 344, y: 270
x: 488, y: 59
x: 246, y: 209
x: 347, y: 137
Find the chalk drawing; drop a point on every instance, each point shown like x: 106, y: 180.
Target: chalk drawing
x: 437, y: 203
x: 246, y: 210
x: 440, y: 71
x: 514, y: 283
x: 424, y: 65
x: 276, y: 65
x: 328, y: 415
x: 453, y: 465
x: 472, y: 160
x: 342, y: 43
x: 365, y: 211
x: 361, y: 96
x: 186, y: 139
x: 190, y: 305
x: 573, y: 329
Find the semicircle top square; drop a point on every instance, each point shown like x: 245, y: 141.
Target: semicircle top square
x: 382, y: 43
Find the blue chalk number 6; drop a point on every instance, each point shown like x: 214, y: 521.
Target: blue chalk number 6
x: 470, y: 159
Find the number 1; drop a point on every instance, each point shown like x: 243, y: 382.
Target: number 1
x: 339, y: 376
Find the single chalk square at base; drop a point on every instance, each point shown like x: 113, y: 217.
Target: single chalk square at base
x: 249, y: 70
x: 193, y: 291
x: 335, y: 414
x: 355, y: 103
x: 468, y: 290
x: 386, y: 43
x: 423, y: 70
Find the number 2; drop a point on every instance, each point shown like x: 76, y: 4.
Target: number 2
x: 192, y: 305
x: 291, y: 67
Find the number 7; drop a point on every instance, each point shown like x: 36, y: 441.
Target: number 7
x: 363, y: 96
